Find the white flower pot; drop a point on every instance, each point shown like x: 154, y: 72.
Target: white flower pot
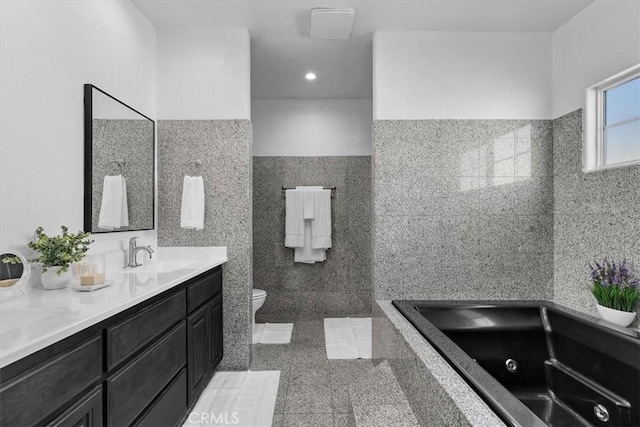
x: 622, y: 318
x: 51, y: 279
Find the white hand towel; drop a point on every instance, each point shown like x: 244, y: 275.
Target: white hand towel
x: 321, y: 225
x: 307, y: 254
x: 192, y: 212
x: 294, y: 221
x: 114, y: 211
x: 309, y: 201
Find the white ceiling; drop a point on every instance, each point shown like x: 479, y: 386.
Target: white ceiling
x: 282, y: 51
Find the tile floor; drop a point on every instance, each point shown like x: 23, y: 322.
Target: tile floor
x: 318, y: 392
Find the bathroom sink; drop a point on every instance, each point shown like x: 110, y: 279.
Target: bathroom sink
x: 161, y: 266
x: 11, y: 319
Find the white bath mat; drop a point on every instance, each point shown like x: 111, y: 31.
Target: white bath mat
x: 348, y: 338
x: 246, y: 399
x: 272, y: 333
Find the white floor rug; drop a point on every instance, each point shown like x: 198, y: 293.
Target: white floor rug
x: 272, y: 333
x: 348, y: 338
x: 245, y: 399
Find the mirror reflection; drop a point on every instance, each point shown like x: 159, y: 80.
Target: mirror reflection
x: 13, y: 269
x: 119, y: 165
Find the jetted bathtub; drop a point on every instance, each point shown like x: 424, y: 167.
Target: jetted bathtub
x: 536, y: 363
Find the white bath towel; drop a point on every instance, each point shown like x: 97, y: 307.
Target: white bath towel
x: 114, y: 211
x: 309, y: 200
x: 321, y: 225
x: 192, y: 212
x: 307, y: 254
x: 294, y: 221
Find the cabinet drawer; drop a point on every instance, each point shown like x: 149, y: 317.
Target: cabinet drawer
x: 86, y: 413
x: 36, y: 394
x: 131, y: 389
x: 170, y: 405
x: 124, y: 338
x: 202, y: 290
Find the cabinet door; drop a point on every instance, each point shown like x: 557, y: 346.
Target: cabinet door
x: 86, y: 413
x: 215, y: 307
x: 198, y: 349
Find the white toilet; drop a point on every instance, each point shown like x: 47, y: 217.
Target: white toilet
x: 258, y: 300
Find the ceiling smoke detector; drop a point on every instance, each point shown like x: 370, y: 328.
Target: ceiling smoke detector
x: 331, y: 24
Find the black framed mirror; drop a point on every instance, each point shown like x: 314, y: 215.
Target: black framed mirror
x: 119, y: 165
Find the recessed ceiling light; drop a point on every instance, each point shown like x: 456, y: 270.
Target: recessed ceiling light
x: 310, y: 76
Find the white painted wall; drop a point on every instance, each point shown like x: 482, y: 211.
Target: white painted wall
x: 49, y: 50
x: 461, y: 75
x: 203, y: 74
x: 311, y: 127
x: 599, y: 42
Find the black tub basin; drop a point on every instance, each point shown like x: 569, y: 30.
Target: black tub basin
x: 536, y: 363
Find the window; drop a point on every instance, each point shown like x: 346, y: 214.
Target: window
x: 612, y: 122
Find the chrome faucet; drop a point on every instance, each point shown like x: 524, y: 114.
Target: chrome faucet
x: 133, y: 252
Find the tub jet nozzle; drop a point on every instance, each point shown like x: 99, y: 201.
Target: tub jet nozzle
x: 512, y: 365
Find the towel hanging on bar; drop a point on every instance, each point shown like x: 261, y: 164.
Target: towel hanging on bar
x: 308, y: 222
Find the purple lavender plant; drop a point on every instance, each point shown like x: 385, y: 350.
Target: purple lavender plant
x: 614, y: 286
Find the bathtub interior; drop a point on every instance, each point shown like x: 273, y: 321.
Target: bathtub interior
x: 567, y: 370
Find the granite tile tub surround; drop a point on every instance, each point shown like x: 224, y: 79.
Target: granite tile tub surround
x: 437, y: 395
x: 463, y: 209
x: 340, y: 286
x: 224, y: 148
x: 596, y: 216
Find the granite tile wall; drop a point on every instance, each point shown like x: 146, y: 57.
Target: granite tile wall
x: 596, y: 216
x: 224, y: 147
x: 463, y: 209
x: 340, y: 286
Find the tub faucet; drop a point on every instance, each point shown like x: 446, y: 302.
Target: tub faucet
x: 133, y: 252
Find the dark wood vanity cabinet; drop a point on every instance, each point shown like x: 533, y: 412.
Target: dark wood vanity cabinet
x: 86, y: 413
x: 137, y: 331
x: 145, y: 366
x: 131, y: 389
x: 33, y: 394
x: 198, y: 348
x: 204, y: 331
x: 215, y: 311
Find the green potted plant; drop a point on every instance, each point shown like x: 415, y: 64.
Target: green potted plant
x: 616, y: 290
x: 57, y: 253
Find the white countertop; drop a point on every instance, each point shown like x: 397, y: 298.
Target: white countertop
x: 41, y: 318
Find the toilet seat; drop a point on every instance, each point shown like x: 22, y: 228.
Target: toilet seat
x: 259, y: 293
